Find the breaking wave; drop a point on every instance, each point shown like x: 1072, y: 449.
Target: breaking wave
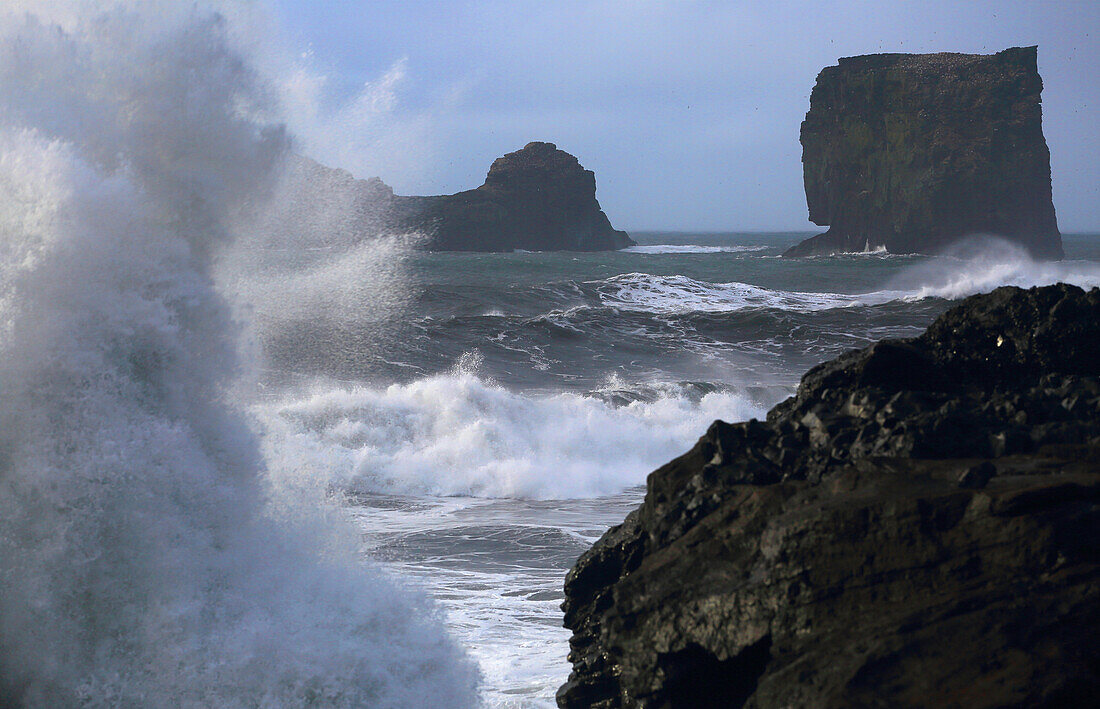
x: 456, y: 434
x: 951, y: 276
x: 646, y: 292
x: 980, y: 265
x: 145, y: 557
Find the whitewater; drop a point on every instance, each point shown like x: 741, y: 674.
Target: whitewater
x: 146, y: 556
x: 248, y: 459
x: 483, y: 434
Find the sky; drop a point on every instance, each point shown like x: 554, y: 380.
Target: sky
x: 688, y: 112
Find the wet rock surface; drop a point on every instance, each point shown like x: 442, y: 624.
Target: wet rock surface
x: 912, y: 152
x: 917, y: 526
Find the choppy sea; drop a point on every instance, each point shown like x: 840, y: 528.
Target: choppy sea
x: 249, y: 458
x: 501, y: 411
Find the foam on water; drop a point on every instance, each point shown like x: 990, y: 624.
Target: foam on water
x: 456, y: 434
x: 976, y: 266
x: 497, y: 566
x: 690, y: 249
x: 982, y: 264
x: 646, y: 292
x: 145, y: 557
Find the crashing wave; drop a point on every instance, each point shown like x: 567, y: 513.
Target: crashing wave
x: 146, y: 558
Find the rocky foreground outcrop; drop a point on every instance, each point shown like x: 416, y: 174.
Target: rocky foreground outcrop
x: 918, y: 526
x: 911, y: 152
x: 538, y: 198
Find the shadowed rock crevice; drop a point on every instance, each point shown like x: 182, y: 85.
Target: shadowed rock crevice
x: 918, y: 526
x: 699, y: 680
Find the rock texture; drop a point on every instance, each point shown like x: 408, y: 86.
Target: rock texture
x: 537, y: 199
x: 911, y: 152
x: 917, y: 526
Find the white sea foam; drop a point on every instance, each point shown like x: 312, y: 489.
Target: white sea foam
x: 646, y: 292
x: 975, y: 266
x: 456, y: 434
x: 145, y: 558
x: 982, y: 264
x: 690, y: 249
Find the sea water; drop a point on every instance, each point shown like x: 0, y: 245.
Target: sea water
x: 507, y: 414
x: 249, y: 458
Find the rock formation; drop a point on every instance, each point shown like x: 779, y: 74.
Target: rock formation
x: 912, y: 152
x: 917, y: 526
x: 538, y: 198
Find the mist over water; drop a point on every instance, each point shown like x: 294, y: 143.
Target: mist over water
x: 146, y: 559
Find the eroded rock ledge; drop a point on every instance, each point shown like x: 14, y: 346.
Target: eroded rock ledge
x: 917, y: 526
x: 911, y: 152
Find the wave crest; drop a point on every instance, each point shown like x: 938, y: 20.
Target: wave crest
x: 980, y: 264
x: 145, y: 557
x: 456, y: 434
x: 676, y: 294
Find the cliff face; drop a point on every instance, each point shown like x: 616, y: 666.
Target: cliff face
x: 911, y: 152
x: 917, y: 526
x: 538, y: 199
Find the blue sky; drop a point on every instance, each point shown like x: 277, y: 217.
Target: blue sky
x: 688, y: 112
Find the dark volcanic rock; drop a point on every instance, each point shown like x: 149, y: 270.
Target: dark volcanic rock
x: 911, y: 152
x: 917, y: 526
x: 538, y: 199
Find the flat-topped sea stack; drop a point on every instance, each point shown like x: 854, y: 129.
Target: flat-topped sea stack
x: 912, y: 152
x: 538, y: 198
x: 919, y: 526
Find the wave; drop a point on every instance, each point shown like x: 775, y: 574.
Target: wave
x: 981, y: 264
x: 456, y: 434
x: 646, y: 292
x: 146, y: 557
x: 690, y: 249
x: 975, y: 266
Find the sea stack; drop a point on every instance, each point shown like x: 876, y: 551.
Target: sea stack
x: 912, y: 152
x: 916, y: 527
x: 538, y: 198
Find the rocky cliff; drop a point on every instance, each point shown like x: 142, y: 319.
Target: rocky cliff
x: 538, y: 198
x: 917, y: 526
x: 912, y: 152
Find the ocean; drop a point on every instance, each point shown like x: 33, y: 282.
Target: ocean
x: 484, y: 431
x: 250, y: 458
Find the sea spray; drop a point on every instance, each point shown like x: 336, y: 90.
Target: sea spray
x: 144, y: 559
x: 981, y: 263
